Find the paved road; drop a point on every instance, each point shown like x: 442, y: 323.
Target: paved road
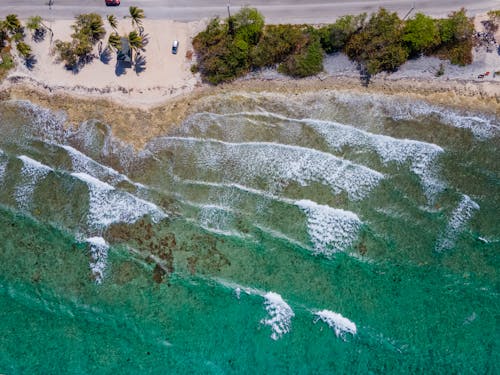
x: 275, y: 11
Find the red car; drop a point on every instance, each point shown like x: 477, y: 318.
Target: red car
x: 112, y: 2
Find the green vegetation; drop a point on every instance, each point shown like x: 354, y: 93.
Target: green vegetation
x: 6, y: 64
x: 421, y: 35
x: 277, y: 43
x: 137, y: 15
x: 24, y: 50
x: 334, y: 37
x: 456, y: 34
x: 494, y: 14
x: 230, y: 48
x: 135, y: 41
x: 113, y: 22
x: 88, y: 29
x: 227, y: 50
x: 306, y: 61
x: 378, y: 46
x: 114, y: 42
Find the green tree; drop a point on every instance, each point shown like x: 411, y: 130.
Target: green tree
x: 306, y: 62
x: 248, y: 24
x: 23, y: 49
x: 34, y: 23
x: 378, y: 46
x: 276, y: 44
x: 66, y: 53
x: 90, y: 26
x: 113, y: 22
x: 421, y: 34
x: 135, y: 41
x: 457, y: 36
x: 12, y: 24
x: 137, y: 15
x: 114, y: 41
x: 334, y: 37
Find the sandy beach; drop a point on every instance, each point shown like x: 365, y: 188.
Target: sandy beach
x: 166, y: 91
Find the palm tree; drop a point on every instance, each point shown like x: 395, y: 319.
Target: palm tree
x: 115, y: 42
x: 137, y: 15
x: 12, y: 23
x: 135, y: 41
x: 113, y: 22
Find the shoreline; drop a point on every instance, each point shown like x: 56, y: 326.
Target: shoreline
x: 136, y: 123
x: 143, y: 105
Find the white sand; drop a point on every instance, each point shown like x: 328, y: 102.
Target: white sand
x: 165, y: 75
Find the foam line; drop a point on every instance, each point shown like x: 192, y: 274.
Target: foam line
x: 99, y: 253
x: 32, y: 171
x: 83, y: 163
x: 330, y: 230
x: 280, y: 163
x: 3, y: 165
x: 420, y: 155
x: 108, y: 205
x: 401, y: 109
x: 340, y: 325
x: 457, y: 223
x: 280, y: 315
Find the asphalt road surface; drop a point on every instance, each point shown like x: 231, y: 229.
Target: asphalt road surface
x: 275, y: 11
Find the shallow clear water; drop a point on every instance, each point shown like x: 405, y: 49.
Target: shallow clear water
x: 331, y: 233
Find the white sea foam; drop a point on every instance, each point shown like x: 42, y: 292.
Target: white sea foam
x: 457, y: 223
x: 278, y: 164
x: 482, y: 127
x: 83, y: 163
x: 32, y: 171
x: 3, y: 165
x: 330, y: 230
x: 280, y: 315
x: 108, y: 205
x: 421, y: 155
x: 99, y: 253
x: 340, y: 325
x: 45, y: 123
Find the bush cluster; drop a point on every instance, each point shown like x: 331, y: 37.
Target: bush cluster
x: 382, y: 42
x: 88, y: 29
x: 227, y: 50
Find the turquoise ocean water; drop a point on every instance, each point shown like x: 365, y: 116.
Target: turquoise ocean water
x: 328, y: 233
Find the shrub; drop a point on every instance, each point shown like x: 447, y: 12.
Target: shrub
x: 277, y: 43
x: 421, y: 34
x: 456, y: 34
x: 306, y: 62
x: 494, y: 14
x: 66, y: 53
x: 89, y: 26
x: 223, y: 56
x: 378, y: 46
x: 88, y: 30
x: 334, y: 37
x: 248, y: 24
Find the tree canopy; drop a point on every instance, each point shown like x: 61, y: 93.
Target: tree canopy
x: 421, y: 34
x: 378, y: 46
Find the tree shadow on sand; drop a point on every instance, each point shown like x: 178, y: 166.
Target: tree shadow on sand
x: 39, y: 35
x: 140, y: 64
x: 121, y: 66
x: 106, y: 56
x: 30, y: 62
